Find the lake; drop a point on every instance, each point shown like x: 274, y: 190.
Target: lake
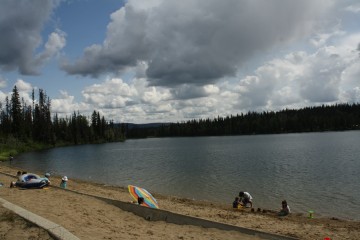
x: 312, y: 171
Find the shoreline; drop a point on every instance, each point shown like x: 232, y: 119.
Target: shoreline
x: 294, y: 225
x: 208, y: 202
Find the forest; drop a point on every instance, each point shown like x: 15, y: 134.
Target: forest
x: 30, y: 126
x: 338, y: 117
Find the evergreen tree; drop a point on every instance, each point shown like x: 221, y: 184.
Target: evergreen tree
x: 16, y: 114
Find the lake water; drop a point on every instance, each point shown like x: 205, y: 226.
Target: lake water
x: 312, y: 171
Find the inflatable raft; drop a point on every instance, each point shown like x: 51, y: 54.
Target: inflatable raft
x: 31, y: 180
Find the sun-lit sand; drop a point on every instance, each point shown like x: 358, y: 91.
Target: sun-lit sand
x: 89, y: 218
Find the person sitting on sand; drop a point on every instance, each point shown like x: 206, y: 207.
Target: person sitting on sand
x: 245, y: 198
x: 47, y: 177
x: 285, y: 209
x: 140, y: 201
x: 236, y: 202
x: 13, y: 184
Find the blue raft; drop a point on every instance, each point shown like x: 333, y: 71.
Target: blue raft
x: 30, y: 180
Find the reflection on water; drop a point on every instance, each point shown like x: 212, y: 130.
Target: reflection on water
x: 314, y: 171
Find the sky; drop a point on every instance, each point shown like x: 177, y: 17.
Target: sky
x: 145, y: 61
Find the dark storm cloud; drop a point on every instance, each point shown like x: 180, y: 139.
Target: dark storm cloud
x: 188, y: 92
x: 195, y: 41
x: 20, y: 24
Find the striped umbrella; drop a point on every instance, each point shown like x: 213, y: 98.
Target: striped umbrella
x: 149, y: 200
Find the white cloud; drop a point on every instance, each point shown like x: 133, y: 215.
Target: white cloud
x: 196, y: 42
x: 297, y: 79
x: 113, y: 93
x: 211, y: 89
x: 321, y: 38
x: 355, y: 8
x: 25, y: 90
x: 56, y: 42
x: 65, y: 105
x: 330, y: 74
x: 155, y: 95
x: 3, y: 82
x: 23, y: 86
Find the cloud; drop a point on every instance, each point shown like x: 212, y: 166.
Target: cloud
x: 350, y: 87
x: 113, y: 93
x: 153, y: 95
x: 297, y: 79
x: 329, y: 75
x: 187, y: 91
x: 185, y: 59
x: 24, y: 90
x: 321, y: 38
x: 20, y: 25
x: 3, y: 82
x: 195, y: 42
x: 23, y: 86
x: 65, y: 105
x: 276, y: 77
x: 56, y: 42
x: 355, y: 8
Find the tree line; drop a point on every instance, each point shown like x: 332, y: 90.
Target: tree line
x: 35, y: 123
x: 336, y: 117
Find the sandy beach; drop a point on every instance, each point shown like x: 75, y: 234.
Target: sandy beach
x: 90, y: 218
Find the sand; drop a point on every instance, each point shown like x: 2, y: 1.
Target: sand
x: 90, y: 218
x: 15, y: 227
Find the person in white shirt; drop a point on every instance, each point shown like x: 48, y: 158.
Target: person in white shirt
x: 245, y: 198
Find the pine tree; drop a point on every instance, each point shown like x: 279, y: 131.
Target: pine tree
x: 16, y: 114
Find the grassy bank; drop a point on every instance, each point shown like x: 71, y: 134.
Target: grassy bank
x: 13, y: 147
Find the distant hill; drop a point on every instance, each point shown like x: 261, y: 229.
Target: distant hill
x: 144, y: 125
x: 338, y: 117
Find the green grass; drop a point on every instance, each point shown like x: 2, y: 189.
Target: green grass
x: 14, y: 147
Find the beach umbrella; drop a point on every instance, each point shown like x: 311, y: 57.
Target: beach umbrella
x: 149, y: 200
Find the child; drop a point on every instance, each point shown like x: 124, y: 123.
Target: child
x: 285, y: 209
x: 236, y: 202
x: 63, y: 183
